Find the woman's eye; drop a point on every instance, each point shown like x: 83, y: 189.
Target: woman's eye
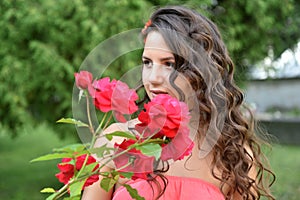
x: 147, y: 63
x: 170, y: 64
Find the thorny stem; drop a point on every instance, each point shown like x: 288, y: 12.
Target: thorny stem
x: 61, y: 191
x: 107, y: 122
x: 100, y: 128
x: 83, y: 165
x: 124, y: 166
x: 101, y: 123
x: 89, y: 115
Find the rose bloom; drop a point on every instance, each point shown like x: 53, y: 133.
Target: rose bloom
x: 179, y: 147
x: 164, y: 114
x: 67, y: 170
x: 83, y: 79
x: 114, y: 95
x: 79, y: 163
x: 142, y: 165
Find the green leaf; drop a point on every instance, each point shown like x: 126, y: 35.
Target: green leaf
x: 71, y: 148
x: 51, y: 197
x: 75, y: 188
x: 133, y: 192
x: 100, y: 151
x: 47, y: 190
x: 116, y: 178
x: 73, y: 198
x: 72, y: 121
x: 150, y: 149
x: 120, y: 134
x: 115, y: 175
x: 107, y: 183
x: 87, y: 169
x: 105, y: 174
x: 127, y: 174
x: 52, y: 156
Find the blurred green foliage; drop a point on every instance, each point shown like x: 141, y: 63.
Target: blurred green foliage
x: 44, y: 42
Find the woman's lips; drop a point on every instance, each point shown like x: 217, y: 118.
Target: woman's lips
x: 157, y: 92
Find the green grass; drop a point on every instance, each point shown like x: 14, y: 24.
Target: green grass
x: 22, y: 180
x: 285, y: 161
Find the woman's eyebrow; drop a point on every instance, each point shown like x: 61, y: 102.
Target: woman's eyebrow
x: 167, y: 58
x: 161, y: 59
x: 144, y: 57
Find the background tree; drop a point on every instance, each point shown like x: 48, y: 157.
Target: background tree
x: 253, y: 28
x: 44, y: 42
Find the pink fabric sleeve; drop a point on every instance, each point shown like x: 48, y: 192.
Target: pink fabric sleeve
x: 178, y: 188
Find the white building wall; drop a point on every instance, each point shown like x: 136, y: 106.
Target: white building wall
x: 283, y: 93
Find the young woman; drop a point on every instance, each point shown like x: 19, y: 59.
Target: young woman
x: 184, y: 56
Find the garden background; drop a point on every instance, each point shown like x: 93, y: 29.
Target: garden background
x: 44, y: 42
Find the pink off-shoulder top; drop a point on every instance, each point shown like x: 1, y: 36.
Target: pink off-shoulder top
x: 178, y: 188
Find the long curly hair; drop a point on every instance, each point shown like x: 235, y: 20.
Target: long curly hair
x: 202, y: 57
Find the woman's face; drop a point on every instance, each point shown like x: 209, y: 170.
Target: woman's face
x: 158, y: 64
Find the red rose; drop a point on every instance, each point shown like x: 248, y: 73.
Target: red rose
x: 103, y: 93
x: 179, y: 147
x: 79, y: 163
x: 123, y: 99
x: 152, y: 121
x: 83, y: 79
x: 165, y: 114
x: 142, y: 165
x: 114, y: 95
x: 67, y: 170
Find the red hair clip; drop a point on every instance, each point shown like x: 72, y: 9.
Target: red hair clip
x: 148, y: 23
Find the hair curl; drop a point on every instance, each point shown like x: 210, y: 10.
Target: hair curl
x: 202, y: 57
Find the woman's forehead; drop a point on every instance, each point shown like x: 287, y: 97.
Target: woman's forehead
x: 155, y: 40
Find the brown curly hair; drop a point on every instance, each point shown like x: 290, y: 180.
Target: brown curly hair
x: 202, y: 57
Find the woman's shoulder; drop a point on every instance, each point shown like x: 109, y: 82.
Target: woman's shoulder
x: 177, y: 188
x: 126, y: 126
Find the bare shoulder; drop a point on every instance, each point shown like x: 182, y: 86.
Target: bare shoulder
x: 113, y: 128
x: 121, y: 126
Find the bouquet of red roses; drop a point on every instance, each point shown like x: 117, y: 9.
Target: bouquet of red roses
x: 161, y: 134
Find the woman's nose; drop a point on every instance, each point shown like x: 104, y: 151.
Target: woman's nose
x: 156, y: 75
